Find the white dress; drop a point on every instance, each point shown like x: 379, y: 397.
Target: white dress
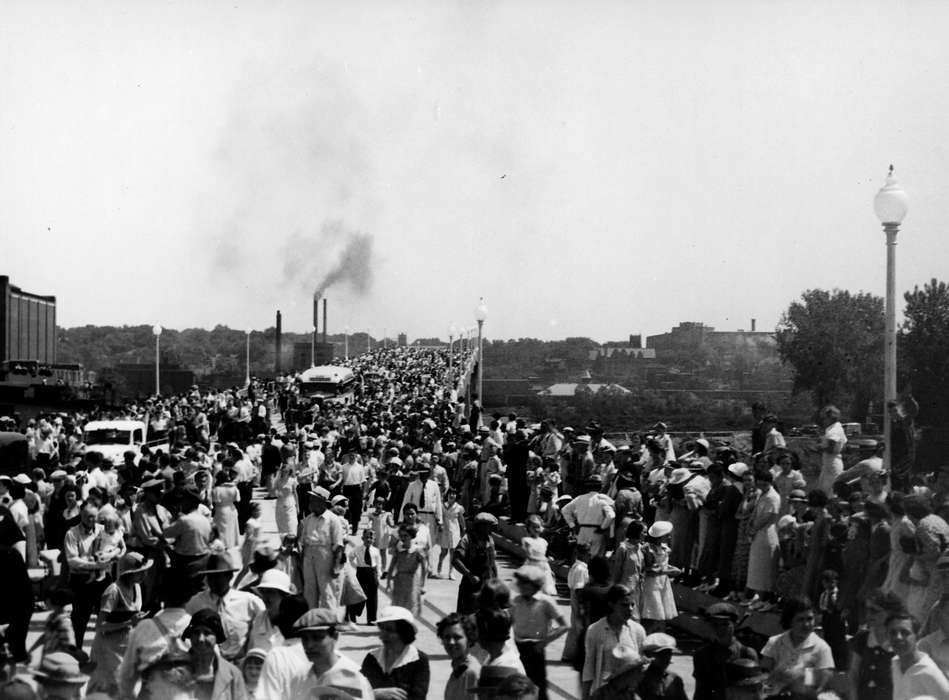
x: 225, y: 497
x: 658, y: 599
x: 536, y: 550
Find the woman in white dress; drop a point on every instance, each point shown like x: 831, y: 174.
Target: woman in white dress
x: 225, y: 496
x: 763, y: 555
x: 285, y: 491
x: 831, y: 447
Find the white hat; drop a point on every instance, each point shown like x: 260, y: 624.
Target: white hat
x: 680, y: 476
x: 660, y: 528
x: 738, y: 469
x: 657, y: 642
x: 339, y: 499
x: 276, y: 580
x: 320, y: 492
x: 703, y: 442
x: 395, y: 613
x: 22, y: 479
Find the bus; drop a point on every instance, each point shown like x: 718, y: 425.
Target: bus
x: 329, y: 383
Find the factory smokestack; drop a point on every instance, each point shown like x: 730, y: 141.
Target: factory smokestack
x: 753, y: 323
x: 278, y: 340
x: 324, y: 320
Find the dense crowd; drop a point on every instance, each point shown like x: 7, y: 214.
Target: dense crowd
x: 407, y: 482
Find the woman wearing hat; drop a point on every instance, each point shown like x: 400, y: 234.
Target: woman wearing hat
x: 119, y: 611
x: 214, y: 677
x: 397, y: 665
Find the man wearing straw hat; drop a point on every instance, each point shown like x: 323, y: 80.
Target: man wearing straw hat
x: 322, y: 544
x: 236, y: 608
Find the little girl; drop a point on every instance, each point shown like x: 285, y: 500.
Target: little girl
x: 452, y: 530
x: 535, y: 547
x: 340, y: 507
x: 109, y: 544
x: 658, y: 601
x: 382, y: 524
x: 626, y: 565
x: 405, y: 571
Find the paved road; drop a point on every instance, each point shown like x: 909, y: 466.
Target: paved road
x: 439, y: 600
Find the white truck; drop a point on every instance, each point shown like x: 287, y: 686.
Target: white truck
x: 113, y: 438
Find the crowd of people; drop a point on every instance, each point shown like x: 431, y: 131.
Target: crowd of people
x: 404, y: 482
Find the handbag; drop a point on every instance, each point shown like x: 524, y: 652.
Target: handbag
x: 352, y: 592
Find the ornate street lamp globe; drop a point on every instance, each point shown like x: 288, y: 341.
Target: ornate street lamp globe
x: 891, y: 202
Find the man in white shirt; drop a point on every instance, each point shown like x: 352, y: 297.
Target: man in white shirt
x: 354, y: 483
x: 285, y: 676
x: 79, y: 552
x: 590, y: 515
x: 236, y: 608
x: 321, y: 540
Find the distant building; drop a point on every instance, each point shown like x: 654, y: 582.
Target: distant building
x: 568, y: 390
x: 27, y: 325
x: 403, y: 340
x: 625, y: 353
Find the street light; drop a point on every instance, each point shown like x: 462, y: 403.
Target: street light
x: 156, y: 329
x: 890, y: 206
x: 346, y: 330
x: 451, y: 345
x: 247, y: 358
x: 481, y: 315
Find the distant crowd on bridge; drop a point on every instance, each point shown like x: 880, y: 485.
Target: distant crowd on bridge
x: 191, y: 598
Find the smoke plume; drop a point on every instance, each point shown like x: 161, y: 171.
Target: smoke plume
x: 354, y: 266
x: 333, y: 255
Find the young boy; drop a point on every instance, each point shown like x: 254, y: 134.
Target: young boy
x: 659, y: 683
x: 533, y: 613
x: 832, y: 620
x: 367, y: 560
x: 457, y: 633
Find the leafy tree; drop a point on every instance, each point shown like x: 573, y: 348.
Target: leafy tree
x: 925, y: 349
x: 834, y: 343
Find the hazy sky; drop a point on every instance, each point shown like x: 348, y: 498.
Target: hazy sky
x: 591, y: 168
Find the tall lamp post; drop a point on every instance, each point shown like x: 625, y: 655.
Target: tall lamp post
x: 451, y: 346
x: 346, y: 331
x: 156, y: 329
x: 247, y: 358
x: 481, y: 315
x: 890, y: 206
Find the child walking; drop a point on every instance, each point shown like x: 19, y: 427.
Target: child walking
x: 535, y: 547
x: 537, y: 623
x: 381, y: 523
x: 367, y: 561
x: 452, y: 530
x: 658, y: 601
x: 406, y: 570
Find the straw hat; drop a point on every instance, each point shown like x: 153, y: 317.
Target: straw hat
x: 60, y: 667
x: 132, y: 563
x: 660, y: 528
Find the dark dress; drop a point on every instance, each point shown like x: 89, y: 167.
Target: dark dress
x: 16, y: 592
x: 478, y: 558
x: 727, y: 509
x: 875, y: 679
x: 412, y: 677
